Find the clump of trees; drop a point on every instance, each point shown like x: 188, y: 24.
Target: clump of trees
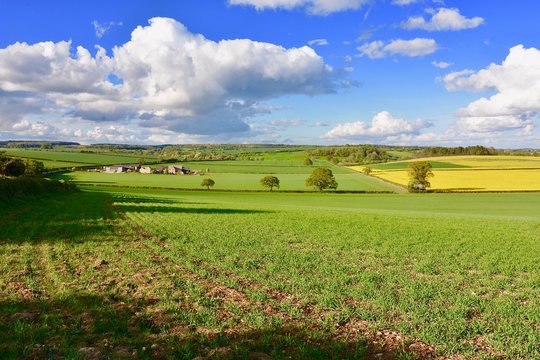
x: 419, y: 172
x: 208, y: 183
x: 321, y: 179
x: 13, y: 167
x: 358, y: 154
x: 308, y: 162
x: 270, y: 182
x: 460, y: 150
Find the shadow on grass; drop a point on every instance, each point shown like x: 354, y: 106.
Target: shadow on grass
x: 187, y: 210
x: 119, y: 198
x: 95, y: 327
x: 69, y: 217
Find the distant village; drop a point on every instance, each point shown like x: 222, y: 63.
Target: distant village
x: 169, y: 169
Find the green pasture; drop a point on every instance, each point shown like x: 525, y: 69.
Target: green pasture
x: 351, y: 181
x: 259, y: 167
x: 75, y: 158
x: 164, y: 273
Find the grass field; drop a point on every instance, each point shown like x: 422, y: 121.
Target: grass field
x: 149, y: 274
x: 470, y: 173
x: 61, y: 159
x: 348, y: 180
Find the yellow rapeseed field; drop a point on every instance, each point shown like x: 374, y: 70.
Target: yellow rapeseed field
x: 482, y: 173
x: 473, y: 180
x: 493, y: 162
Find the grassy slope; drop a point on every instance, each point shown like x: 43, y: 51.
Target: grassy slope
x: 287, y: 275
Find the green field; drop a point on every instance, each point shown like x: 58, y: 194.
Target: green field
x: 61, y: 159
x: 348, y: 180
x: 152, y: 274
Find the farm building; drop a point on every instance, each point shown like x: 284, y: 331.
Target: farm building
x: 173, y: 169
x: 178, y: 170
x: 121, y: 168
x: 145, y: 170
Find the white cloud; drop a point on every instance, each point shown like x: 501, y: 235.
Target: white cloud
x: 410, y: 48
x: 314, y: 7
x: 441, y: 64
x: 168, y: 78
x: 318, y: 42
x: 285, y: 123
x: 102, y: 28
x: 445, y: 19
x: 383, y: 125
x: 404, y: 2
x: 516, y: 102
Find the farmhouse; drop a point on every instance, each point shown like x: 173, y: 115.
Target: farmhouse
x: 121, y: 168
x: 145, y: 170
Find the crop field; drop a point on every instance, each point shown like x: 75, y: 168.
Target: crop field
x: 61, y: 159
x: 347, y: 180
x: 157, y: 273
x: 470, y: 173
x: 258, y: 167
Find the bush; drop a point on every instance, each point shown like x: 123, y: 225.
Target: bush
x: 10, y: 188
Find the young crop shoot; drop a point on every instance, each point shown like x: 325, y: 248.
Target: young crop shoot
x: 208, y: 183
x: 419, y: 173
x: 321, y: 179
x: 270, y: 182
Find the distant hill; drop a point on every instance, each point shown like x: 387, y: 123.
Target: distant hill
x: 35, y: 144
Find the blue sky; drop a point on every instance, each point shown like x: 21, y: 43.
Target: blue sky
x: 398, y: 72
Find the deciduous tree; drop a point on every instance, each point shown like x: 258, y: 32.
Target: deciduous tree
x: 208, y: 183
x: 322, y: 178
x: 419, y: 173
x: 270, y: 182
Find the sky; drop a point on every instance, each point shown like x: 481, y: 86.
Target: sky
x: 397, y: 72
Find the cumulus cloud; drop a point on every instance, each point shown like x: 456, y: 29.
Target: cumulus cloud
x: 318, y: 42
x: 314, y: 7
x: 441, y: 64
x: 382, y: 126
x: 102, y: 28
x: 165, y: 77
x: 444, y: 19
x: 411, y: 48
x: 516, y: 102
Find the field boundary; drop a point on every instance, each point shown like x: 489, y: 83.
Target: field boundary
x: 81, y: 184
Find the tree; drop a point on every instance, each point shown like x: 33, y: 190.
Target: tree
x: 14, y: 167
x: 322, y: 178
x: 419, y: 173
x: 366, y: 170
x: 33, y: 168
x: 308, y: 162
x: 141, y: 161
x: 270, y: 182
x: 208, y: 183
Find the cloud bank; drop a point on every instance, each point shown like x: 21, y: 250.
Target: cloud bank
x: 383, y: 126
x: 516, y: 102
x: 165, y: 77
